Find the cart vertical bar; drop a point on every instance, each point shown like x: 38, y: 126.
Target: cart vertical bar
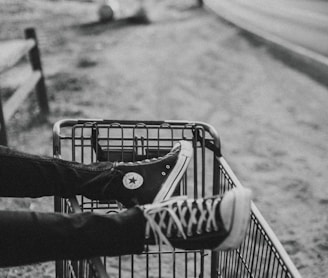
x: 3, y: 132
x: 216, y: 190
x: 35, y: 60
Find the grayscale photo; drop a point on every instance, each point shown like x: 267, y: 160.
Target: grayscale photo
x: 163, y: 139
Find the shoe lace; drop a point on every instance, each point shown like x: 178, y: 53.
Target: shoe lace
x: 182, y: 216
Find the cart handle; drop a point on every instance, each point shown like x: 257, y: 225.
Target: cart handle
x: 212, y: 144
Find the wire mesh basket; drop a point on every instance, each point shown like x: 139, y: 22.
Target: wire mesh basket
x: 86, y: 141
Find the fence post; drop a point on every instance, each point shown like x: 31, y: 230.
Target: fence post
x: 3, y: 132
x: 35, y: 60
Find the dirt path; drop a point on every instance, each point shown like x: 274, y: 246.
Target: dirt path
x: 188, y: 64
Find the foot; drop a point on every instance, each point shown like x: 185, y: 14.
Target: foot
x: 151, y: 180
x: 211, y: 223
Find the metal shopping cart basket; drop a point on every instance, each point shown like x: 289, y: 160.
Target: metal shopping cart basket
x: 90, y: 140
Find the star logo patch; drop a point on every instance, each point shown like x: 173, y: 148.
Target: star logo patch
x: 132, y: 180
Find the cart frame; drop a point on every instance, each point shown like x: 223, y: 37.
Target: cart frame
x: 89, y: 140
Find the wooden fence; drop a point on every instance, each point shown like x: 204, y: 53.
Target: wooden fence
x: 11, y: 52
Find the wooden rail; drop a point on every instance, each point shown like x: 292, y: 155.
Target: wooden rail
x: 11, y: 52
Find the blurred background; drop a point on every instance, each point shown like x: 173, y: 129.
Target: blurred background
x: 255, y: 70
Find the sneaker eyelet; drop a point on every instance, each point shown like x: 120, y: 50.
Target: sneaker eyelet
x: 163, y: 174
x: 167, y: 166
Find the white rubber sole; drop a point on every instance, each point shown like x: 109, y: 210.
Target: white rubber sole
x: 176, y: 174
x: 240, y: 198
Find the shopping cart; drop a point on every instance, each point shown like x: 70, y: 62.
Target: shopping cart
x: 90, y: 140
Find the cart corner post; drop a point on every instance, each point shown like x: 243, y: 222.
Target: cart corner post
x: 35, y: 60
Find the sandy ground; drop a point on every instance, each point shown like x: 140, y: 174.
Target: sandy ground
x: 187, y: 64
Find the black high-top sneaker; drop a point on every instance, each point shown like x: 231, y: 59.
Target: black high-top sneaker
x: 211, y: 223
x: 150, y: 180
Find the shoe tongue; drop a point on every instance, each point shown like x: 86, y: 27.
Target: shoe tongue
x: 189, y: 219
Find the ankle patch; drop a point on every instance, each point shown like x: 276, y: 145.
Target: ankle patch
x: 132, y: 180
